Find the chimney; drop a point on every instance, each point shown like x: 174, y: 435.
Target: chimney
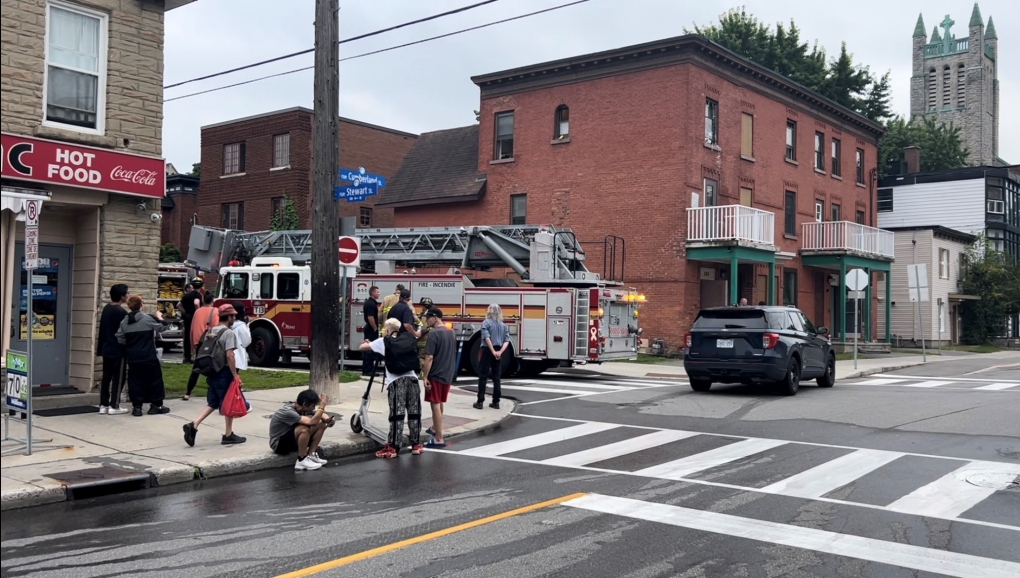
x: 912, y: 159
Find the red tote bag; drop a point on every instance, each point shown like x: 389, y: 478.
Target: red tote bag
x: 233, y: 404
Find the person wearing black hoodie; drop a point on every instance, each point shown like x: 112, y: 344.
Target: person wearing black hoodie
x: 111, y: 351
x: 145, y: 374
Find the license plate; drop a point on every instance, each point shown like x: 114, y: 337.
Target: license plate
x: 724, y: 343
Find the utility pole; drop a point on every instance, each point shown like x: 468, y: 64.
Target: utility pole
x: 326, y: 222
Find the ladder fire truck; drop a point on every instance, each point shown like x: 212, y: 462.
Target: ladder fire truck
x: 558, y: 313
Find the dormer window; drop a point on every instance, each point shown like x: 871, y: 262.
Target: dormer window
x: 562, y: 130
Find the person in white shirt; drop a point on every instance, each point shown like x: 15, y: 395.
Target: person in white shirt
x: 240, y: 329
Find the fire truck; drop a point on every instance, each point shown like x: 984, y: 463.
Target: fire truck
x: 558, y: 312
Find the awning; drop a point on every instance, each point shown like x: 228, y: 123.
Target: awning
x: 13, y: 200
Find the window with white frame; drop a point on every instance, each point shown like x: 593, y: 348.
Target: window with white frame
x: 75, y: 93
x: 819, y: 211
x: 943, y: 263
x: 281, y: 151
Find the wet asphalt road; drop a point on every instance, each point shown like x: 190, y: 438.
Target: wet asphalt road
x: 693, y: 483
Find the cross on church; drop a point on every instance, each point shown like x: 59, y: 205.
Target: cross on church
x: 947, y: 24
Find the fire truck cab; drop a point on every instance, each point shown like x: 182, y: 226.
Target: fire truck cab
x: 558, y: 313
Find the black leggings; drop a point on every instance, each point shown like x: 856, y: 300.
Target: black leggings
x: 113, y: 379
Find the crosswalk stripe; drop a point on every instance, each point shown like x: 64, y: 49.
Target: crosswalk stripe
x: 951, y: 495
x: 879, y: 382
x: 927, y: 384
x: 882, y: 551
x: 998, y: 386
x: 833, y: 474
x: 547, y: 389
x: 679, y: 469
x: 537, y: 440
x: 621, y: 448
x: 600, y: 385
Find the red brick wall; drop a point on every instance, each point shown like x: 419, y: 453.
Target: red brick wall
x: 636, y: 155
x: 380, y: 151
x: 176, y: 223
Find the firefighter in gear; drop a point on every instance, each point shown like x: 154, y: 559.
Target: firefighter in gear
x: 423, y: 327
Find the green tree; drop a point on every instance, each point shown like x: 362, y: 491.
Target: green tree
x: 170, y: 253
x: 780, y: 48
x: 288, y: 220
x: 196, y: 169
x: 940, y: 144
x: 993, y: 276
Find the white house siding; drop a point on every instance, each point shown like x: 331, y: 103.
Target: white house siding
x: 958, y: 205
x: 905, y: 322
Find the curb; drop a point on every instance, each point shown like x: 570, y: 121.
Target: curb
x: 183, y: 473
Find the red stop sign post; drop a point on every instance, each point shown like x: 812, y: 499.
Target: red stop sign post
x: 350, y: 251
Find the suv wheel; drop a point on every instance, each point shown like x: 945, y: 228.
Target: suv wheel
x: 828, y: 379
x: 701, y: 384
x: 791, y: 383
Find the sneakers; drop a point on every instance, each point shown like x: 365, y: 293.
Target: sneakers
x: 190, y: 431
x: 233, y: 439
x: 158, y: 409
x: 315, y: 458
x: 388, y: 451
x: 115, y: 411
x: 309, y: 463
x: 104, y: 409
x: 417, y: 450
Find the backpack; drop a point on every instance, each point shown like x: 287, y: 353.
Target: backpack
x: 402, y: 354
x: 211, y: 357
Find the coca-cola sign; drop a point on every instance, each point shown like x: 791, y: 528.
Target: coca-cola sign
x: 52, y: 162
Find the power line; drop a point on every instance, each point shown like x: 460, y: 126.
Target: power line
x: 378, y: 51
x: 310, y: 50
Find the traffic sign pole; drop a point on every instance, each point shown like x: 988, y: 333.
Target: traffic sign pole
x: 856, y: 280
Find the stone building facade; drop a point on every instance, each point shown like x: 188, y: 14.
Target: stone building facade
x: 81, y: 116
x: 955, y: 80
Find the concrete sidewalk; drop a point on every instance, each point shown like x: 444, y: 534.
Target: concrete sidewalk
x: 674, y: 369
x: 151, y: 448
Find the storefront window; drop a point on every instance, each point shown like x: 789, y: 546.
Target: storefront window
x: 44, y: 301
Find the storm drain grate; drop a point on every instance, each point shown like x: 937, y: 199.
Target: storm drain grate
x: 995, y: 480
x: 101, y: 481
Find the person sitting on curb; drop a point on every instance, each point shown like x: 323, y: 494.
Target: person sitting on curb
x: 292, y: 429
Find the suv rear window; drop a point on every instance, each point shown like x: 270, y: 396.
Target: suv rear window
x: 749, y: 319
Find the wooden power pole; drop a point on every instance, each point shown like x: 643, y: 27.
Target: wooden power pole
x: 326, y: 218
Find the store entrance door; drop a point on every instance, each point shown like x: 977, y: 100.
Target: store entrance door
x: 51, y: 304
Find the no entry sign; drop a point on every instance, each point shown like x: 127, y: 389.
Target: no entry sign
x: 350, y: 251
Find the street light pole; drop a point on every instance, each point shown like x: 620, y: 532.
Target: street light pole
x: 325, y: 214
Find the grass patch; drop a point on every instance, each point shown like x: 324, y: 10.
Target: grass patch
x: 846, y: 356
x: 974, y: 348
x: 646, y: 359
x: 175, y: 379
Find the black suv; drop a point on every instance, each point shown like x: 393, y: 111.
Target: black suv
x: 757, y: 344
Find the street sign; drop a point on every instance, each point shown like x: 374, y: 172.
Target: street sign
x: 364, y: 185
x: 856, y: 294
x: 354, y: 194
x: 350, y: 251
x: 17, y: 380
x: 360, y: 177
x: 919, y: 294
x: 856, y: 279
x: 32, y: 212
x: 917, y: 275
x: 32, y: 234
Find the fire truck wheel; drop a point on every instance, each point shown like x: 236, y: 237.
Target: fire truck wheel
x: 264, y: 349
x: 509, y: 365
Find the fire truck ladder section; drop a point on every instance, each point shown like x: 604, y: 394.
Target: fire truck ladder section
x: 541, y: 255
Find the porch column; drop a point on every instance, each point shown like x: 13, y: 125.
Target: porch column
x: 772, y: 283
x: 888, y: 306
x: 867, y: 308
x: 842, y: 300
x: 734, y: 289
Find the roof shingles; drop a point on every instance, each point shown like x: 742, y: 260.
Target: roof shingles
x: 442, y: 167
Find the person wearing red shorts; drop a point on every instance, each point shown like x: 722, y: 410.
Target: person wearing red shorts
x: 439, y: 371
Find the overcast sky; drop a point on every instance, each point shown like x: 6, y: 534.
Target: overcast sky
x: 428, y: 87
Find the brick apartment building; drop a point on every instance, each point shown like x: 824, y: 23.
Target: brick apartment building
x: 719, y: 174
x: 250, y: 165
x: 81, y: 113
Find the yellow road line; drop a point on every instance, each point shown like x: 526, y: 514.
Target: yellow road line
x: 423, y: 538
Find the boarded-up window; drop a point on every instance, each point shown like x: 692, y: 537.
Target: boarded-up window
x: 746, y: 135
x: 745, y: 196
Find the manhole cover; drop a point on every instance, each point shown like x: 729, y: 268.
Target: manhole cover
x: 995, y: 480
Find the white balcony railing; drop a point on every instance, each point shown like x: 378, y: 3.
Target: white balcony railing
x: 847, y: 236
x: 731, y: 223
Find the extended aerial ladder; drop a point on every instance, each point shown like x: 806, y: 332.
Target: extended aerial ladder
x: 538, y: 254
